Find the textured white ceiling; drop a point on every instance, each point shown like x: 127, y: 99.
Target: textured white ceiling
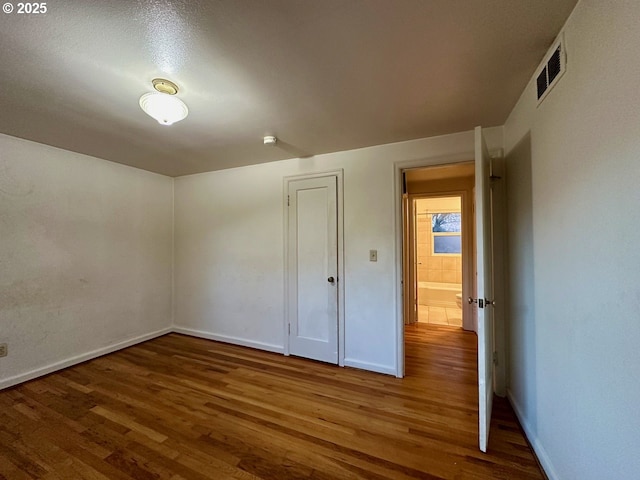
x: 322, y: 75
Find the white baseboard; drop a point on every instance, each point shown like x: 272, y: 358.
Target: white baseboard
x: 38, y: 372
x: 372, y: 367
x: 541, y: 453
x: 269, y: 347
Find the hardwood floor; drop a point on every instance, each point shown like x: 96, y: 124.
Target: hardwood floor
x: 183, y: 408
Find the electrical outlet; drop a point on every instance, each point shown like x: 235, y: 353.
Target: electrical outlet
x: 4, y: 349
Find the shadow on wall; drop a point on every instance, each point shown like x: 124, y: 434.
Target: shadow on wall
x: 521, y: 327
x: 292, y: 150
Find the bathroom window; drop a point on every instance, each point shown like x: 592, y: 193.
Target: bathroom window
x: 446, y: 229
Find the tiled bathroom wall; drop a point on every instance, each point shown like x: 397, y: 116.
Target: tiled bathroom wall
x: 434, y: 268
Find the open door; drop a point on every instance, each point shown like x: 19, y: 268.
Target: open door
x: 484, y: 282
x: 407, y: 263
x: 409, y: 259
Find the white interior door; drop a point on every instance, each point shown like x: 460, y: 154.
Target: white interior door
x: 313, y: 268
x: 410, y: 261
x: 484, y: 294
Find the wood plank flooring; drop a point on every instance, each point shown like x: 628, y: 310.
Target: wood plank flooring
x: 183, y: 408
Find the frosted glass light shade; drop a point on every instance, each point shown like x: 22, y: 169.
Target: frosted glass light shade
x: 166, y: 109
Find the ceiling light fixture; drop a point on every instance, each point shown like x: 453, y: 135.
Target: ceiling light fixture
x: 162, y: 104
x: 270, y: 140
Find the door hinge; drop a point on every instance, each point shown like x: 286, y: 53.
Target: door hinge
x: 289, y: 326
x: 495, y: 358
x: 288, y: 200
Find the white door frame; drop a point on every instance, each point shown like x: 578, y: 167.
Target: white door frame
x: 398, y: 168
x: 340, y: 206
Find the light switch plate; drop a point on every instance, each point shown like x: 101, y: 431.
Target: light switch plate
x: 3, y: 349
x: 373, y: 255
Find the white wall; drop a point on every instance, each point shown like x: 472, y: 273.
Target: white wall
x: 573, y: 168
x: 229, y: 281
x: 85, y: 257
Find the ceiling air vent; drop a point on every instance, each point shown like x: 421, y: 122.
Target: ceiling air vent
x: 552, y: 69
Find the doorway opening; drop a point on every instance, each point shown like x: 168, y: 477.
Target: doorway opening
x: 438, y: 239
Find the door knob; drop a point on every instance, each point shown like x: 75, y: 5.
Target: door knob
x: 331, y: 280
x: 472, y: 300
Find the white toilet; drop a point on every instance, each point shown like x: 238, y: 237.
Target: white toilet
x: 459, y: 300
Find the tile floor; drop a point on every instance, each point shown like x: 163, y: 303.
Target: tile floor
x: 440, y: 315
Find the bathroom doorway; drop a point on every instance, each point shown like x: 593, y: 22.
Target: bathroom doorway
x: 438, y: 247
